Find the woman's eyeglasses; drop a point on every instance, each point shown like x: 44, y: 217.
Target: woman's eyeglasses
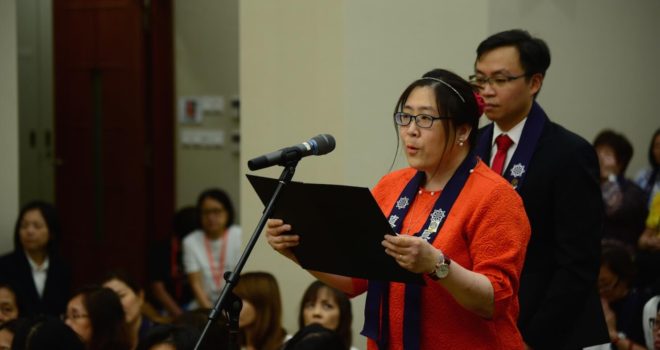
x: 421, y: 120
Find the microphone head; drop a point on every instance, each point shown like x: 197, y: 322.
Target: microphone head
x: 322, y: 144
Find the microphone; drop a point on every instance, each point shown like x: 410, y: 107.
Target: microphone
x: 317, y: 145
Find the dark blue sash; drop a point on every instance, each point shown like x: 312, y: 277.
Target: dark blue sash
x: 517, y: 169
x: 376, y: 311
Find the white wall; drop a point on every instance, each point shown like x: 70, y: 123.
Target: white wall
x: 8, y: 124
x: 291, y: 73
x: 206, y: 63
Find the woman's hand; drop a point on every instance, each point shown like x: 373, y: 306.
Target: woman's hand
x: 276, y: 233
x: 412, y: 253
x: 610, y: 319
x: 470, y: 289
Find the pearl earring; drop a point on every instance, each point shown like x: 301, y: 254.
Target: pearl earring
x: 460, y: 143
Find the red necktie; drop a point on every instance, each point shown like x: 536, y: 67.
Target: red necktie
x: 503, y: 143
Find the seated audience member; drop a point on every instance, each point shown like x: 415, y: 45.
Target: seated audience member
x: 217, y: 336
x: 170, y: 337
x: 45, y: 333
x: 260, y: 321
x: 622, y: 303
x: 8, y: 304
x: 34, y: 269
x: 96, y: 315
x: 131, y: 296
x: 167, y: 280
x: 648, y: 255
x: 649, y: 178
x: 328, y: 307
x: 315, y: 337
x: 210, y: 252
x: 625, y: 202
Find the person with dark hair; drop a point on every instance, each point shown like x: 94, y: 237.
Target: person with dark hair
x: 97, y: 316
x: 649, y: 178
x: 9, y: 309
x: 458, y: 224
x: 260, y: 321
x: 167, y: 280
x: 625, y: 202
x: 170, y: 337
x: 315, y: 337
x: 328, y: 307
x: 210, y: 252
x: 131, y: 296
x: 45, y: 333
x: 622, y: 302
x: 217, y: 336
x: 35, y: 269
x: 556, y: 173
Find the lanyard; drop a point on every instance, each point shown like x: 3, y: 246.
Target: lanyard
x: 216, y: 271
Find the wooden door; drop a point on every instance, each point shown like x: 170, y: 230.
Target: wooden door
x: 113, y: 122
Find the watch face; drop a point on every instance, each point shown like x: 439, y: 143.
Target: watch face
x: 442, y: 271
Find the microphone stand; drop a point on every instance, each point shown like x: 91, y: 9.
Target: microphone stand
x: 228, y: 301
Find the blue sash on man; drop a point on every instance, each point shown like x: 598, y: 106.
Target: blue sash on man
x: 517, y: 169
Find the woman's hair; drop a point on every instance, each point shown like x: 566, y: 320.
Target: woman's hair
x: 455, y: 98
x: 345, y: 311
x: 216, y: 336
x: 262, y: 291
x: 617, y: 257
x: 623, y: 149
x: 123, y: 276
x: 106, y: 314
x: 220, y: 196
x: 45, y: 333
x: 315, y: 337
x: 52, y: 222
x: 185, y: 221
x: 181, y: 337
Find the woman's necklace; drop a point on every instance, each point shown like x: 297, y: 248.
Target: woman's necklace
x: 413, y: 220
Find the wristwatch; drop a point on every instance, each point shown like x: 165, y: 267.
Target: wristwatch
x: 441, y: 268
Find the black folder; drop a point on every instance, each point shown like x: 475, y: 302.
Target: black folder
x: 340, y: 227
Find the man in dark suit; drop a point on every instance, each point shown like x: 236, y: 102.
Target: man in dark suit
x: 556, y: 173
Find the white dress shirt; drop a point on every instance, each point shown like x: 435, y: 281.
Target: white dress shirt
x: 39, y: 274
x: 514, y: 134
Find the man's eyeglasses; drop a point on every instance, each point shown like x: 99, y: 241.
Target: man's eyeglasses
x: 480, y: 81
x: 422, y: 120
